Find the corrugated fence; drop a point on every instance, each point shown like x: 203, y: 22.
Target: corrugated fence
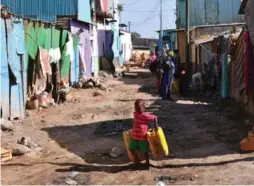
x: 206, y: 12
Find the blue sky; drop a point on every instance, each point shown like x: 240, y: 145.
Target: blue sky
x: 144, y: 15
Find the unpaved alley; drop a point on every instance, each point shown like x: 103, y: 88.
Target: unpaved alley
x: 76, y: 138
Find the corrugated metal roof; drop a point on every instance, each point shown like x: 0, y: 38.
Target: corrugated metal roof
x: 46, y: 10
x: 204, y: 40
x: 209, y: 38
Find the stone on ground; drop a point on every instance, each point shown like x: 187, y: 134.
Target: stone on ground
x: 116, y: 152
x: 19, y: 150
x: 6, y: 125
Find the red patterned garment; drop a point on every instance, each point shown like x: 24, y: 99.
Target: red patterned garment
x: 141, y: 121
x: 248, y: 64
x: 44, y: 59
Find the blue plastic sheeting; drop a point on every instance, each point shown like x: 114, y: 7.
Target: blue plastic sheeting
x: 207, y: 12
x: 4, y: 75
x: 224, y: 59
x: 75, y: 68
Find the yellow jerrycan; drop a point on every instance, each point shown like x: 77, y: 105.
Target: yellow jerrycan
x: 127, y: 139
x: 247, y: 144
x: 157, y: 142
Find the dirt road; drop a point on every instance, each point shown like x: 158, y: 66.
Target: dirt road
x: 203, y: 136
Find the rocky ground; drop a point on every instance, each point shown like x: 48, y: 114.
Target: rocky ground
x: 72, y: 141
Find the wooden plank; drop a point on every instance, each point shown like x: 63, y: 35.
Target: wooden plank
x: 182, y: 44
x: 6, y: 154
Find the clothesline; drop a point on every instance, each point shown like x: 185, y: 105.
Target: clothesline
x: 211, y: 51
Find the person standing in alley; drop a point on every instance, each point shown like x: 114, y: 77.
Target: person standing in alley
x: 154, y: 68
x: 177, y: 61
x: 139, y: 131
x: 168, y: 75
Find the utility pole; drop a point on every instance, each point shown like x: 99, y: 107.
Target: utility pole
x: 187, y: 25
x: 161, y: 32
x: 129, y: 26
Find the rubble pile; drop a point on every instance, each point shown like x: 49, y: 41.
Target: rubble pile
x: 93, y: 82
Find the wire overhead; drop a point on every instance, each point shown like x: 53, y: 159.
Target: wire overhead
x: 133, y: 3
x: 149, y: 16
x: 148, y: 10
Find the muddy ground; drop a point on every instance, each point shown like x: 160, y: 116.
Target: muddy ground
x: 202, y: 134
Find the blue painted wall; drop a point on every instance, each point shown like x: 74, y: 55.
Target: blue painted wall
x: 47, y: 10
x: 4, y: 75
x: 13, y: 62
x: 115, y: 28
x: 205, y: 12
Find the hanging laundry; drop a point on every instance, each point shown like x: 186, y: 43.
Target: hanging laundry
x: 82, y: 62
x: 224, y: 63
x: 9, y: 25
x: 211, y: 72
x: 249, y: 14
x: 70, y: 50
x: 248, y: 64
x: 67, y: 58
x: 44, y: 59
x: 54, y: 55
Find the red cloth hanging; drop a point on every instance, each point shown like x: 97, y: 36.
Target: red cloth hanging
x: 248, y: 64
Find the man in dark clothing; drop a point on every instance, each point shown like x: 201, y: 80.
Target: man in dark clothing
x: 177, y: 61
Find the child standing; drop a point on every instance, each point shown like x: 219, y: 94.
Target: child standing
x: 140, y: 126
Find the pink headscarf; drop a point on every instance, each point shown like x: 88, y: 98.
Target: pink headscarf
x: 152, y: 58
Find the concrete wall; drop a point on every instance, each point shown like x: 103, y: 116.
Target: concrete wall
x: 126, y: 46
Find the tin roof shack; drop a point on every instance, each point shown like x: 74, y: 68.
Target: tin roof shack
x: 169, y: 38
x: 211, y: 51
x: 243, y: 67
x: 201, y: 33
x: 60, y: 12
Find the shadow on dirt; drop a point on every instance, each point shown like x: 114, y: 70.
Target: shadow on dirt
x: 131, y: 167
x: 68, y: 167
x: 194, y: 128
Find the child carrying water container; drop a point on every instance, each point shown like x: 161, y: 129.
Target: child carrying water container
x: 140, y: 126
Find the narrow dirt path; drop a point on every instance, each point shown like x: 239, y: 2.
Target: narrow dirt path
x: 203, y: 136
